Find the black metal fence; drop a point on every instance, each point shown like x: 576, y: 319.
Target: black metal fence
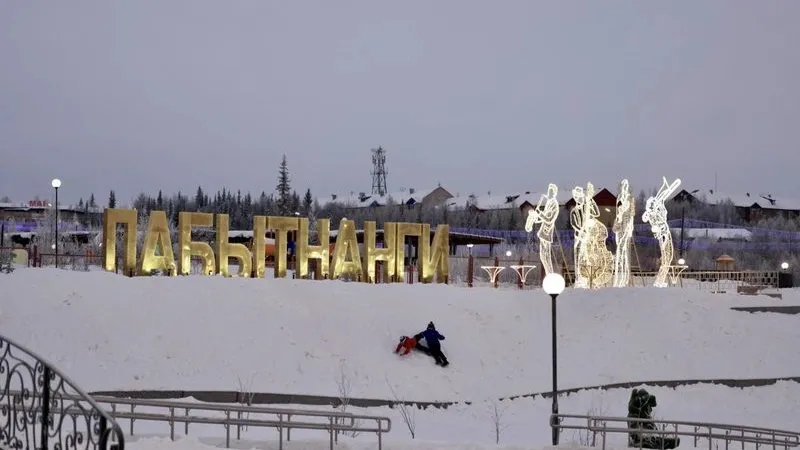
x: 41, y: 408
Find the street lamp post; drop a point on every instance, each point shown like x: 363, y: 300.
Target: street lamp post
x: 553, y: 284
x: 56, y: 183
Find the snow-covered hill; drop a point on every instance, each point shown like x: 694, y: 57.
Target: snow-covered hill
x: 294, y: 336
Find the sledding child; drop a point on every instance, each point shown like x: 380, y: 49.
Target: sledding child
x: 406, y: 345
x: 432, y: 338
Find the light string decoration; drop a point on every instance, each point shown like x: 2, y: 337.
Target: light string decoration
x: 545, y: 214
x: 594, y: 263
x: 656, y: 215
x: 623, y: 230
x: 576, y: 219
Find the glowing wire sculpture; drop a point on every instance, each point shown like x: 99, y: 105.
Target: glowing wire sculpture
x: 656, y: 215
x: 545, y: 213
x: 594, y: 263
x: 493, y: 272
x: 623, y: 230
x: 576, y: 219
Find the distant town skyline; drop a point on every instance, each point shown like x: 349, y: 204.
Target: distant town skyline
x: 501, y: 97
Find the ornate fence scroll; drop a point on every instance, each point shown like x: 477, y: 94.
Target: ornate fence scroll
x: 41, y: 408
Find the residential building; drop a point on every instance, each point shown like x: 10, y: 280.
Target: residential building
x: 26, y: 216
x: 528, y: 200
x: 406, y: 197
x: 749, y: 206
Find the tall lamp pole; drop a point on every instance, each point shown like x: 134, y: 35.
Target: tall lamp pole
x: 553, y: 284
x: 56, y: 183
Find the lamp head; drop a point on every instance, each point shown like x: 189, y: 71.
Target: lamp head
x: 784, y: 265
x: 553, y: 284
x: 470, y: 245
x: 682, y: 262
x: 56, y: 183
x: 508, y: 252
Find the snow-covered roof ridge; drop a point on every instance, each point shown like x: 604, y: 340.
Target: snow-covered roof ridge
x: 746, y: 199
x: 365, y: 199
x: 515, y: 198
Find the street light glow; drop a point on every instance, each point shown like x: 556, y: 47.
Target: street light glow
x: 553, y: 284
x: 56, y: 183
x: 784, y: 265
x: 682, y: 262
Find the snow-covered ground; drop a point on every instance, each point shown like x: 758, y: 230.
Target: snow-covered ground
x: 293, y: 336
x: 524, y: 422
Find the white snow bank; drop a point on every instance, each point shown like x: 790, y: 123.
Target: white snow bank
x: 524, y: 422
x: 111, y: 332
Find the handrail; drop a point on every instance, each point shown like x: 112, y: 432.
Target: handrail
x: 31, y: 415
x: 238, y: 415
x: 704, y: 424
x: 710, y: 431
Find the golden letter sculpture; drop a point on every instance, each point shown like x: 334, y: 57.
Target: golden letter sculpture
x: 623, y: 230
x: 306, y: 251
x: 259, y: 246
x: 434, y: 262
x: 386, y: 254
x: 403, y: 230
x: 127, y: 218
x: 346, y: 245
x: 545, y: 213
x: 226, y: 250
x: 188, y: 248
x: 282, y: 227
x: 594, y: 263
x: 432, y: 255
x: 157, y: 240
x: 656, y: 215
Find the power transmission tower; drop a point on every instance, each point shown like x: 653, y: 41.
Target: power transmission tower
x: 379, y: 171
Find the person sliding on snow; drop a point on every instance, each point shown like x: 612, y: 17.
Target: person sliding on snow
x: 410, y: 343
x: 432, y: 338
x: 406, y: 345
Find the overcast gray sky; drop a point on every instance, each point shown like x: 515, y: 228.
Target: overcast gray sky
x: 476, y: 95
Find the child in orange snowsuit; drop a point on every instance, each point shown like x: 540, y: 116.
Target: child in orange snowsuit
x: 406, y: 345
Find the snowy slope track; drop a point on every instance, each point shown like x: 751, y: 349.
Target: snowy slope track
x: 299, y: 337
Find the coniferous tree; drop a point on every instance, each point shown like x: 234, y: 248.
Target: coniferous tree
x: 112, y: 199
x: 199, y: 198
x: 284, y: 189
x: 308, y: 203
x: 295, y: 203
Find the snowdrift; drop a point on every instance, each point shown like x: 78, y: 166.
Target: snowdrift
x: 295, y: 336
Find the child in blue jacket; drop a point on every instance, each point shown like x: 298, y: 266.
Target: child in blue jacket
x: 432, y: 338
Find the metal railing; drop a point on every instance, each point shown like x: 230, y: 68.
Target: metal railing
x: 717, y: 280
x: 33, y: 413
x: 673, y: 428
x: 240, y: 416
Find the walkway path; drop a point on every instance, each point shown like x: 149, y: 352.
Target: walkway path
x: 320, y: 400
